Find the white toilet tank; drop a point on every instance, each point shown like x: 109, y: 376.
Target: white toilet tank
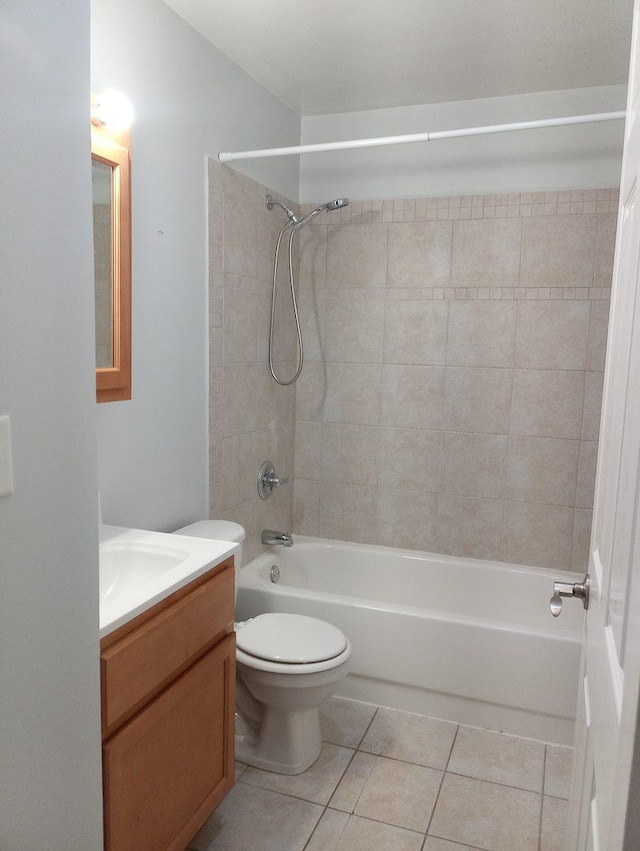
x: 219, y: 530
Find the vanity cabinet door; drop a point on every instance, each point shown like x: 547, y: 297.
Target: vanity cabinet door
x: 167, y: 768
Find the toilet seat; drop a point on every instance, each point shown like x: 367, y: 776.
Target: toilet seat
x: 289, y: 640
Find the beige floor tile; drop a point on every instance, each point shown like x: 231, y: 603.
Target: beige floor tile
x: 413, y: 738
x: 315, y: 784
x: 350, y: 787
x: 344, y: 722
x: 257, y: 818
x: 328, y: 831
x: 497, y: 818
x: 498, y: 758
x: 362, y: 834
x: 557, y: 771
x: 555, y: 815
x: 435, y: 844
x: 400, y: 794
x: 239, y: 770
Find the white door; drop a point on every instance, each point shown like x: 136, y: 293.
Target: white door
x: 605, y: 799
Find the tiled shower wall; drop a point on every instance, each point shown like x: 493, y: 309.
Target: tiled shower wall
x: 251, y: 418
x: 450, y: 399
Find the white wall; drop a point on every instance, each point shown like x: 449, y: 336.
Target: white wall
x: 50, y: 771
x: 190, y: 101
x: 537, y: 160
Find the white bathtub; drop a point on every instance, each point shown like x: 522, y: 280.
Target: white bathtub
x: 462, y: 639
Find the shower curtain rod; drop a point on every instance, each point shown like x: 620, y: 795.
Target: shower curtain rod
x: 226, y: 157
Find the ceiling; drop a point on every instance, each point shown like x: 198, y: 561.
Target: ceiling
x: 328, y: 56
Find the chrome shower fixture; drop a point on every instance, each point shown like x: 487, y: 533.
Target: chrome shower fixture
x: 292, y: 225
x: 271, y: 202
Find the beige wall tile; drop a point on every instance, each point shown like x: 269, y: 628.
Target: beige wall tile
x: 586, y: 473
x: 470, y: 527
x: 353, y: 393
x: 240, y: 398
x: 605, y: 247
x: 486, y: 252
x: 538, y: 534
x: 349, y: 453
x: 487, y: 815
x: 353, y: 331
x: 415, y: 332
x: 356, y: 255
x: 409, y: 459
x: 592, y: 405
x: 552, y: 334
x: 347, y: 512
x: 481, y: 333
x: 475, y: 464
x: 406, y: 519
x: 543, y: 469
x: 311, y: 314
x: 307, y: 449
x: 275, y: 404
x: 312, y: 253
x: 581, y: 540
x: 547, y: 403
x: 412, y: 396
x: 238, y: 463
x: 419, y: 254
x: 558, y: 251
x: 598, y: 329
x: 240, y: 238
x: 306, y: 517
x: 311, y: 389
x: 477, y: 400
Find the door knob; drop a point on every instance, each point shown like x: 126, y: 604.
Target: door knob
x: 568, y: 589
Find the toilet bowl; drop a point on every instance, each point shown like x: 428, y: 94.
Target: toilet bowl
x: 286, y: 666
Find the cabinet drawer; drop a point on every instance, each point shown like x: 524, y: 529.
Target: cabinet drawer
x: 167, y: 768
x: 142, y: 662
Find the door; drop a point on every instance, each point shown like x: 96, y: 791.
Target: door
x: 606, y: 780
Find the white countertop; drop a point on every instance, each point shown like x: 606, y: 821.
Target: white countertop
x: 139, y: 568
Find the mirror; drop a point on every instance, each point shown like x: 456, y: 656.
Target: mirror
x: 110, y: 173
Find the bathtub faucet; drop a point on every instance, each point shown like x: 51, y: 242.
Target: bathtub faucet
x: 272, y: 538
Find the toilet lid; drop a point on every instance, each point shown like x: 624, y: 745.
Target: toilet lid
x: 297, y: 639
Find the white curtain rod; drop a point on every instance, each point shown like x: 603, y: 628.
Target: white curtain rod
x: 419, y: 137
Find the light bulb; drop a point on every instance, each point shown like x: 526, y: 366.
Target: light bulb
x: 114, y: 111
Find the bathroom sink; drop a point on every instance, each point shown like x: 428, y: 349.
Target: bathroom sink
x: 125, y: 565
x: 139, y: 568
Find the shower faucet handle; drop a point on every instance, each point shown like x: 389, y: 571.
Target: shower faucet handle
x: 569, y: 589
x: 267, y: 480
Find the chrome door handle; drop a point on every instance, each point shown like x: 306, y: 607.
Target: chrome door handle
x: 567, y: 589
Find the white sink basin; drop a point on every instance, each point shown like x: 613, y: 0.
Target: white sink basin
x: 139, y: 568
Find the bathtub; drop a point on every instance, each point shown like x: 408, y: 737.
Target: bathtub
x: 462, y: 639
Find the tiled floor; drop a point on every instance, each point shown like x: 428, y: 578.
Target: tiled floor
x: 393, y: 781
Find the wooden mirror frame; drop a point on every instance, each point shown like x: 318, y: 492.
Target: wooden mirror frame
x: 113, y: 149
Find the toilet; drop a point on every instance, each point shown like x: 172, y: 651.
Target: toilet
x: 286, y: 666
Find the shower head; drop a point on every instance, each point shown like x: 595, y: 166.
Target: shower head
x: 336, y: 204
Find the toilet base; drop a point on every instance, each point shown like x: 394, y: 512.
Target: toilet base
x: 289, y: 742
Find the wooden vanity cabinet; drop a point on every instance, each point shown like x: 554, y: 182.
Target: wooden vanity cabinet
x: 168, y: 703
